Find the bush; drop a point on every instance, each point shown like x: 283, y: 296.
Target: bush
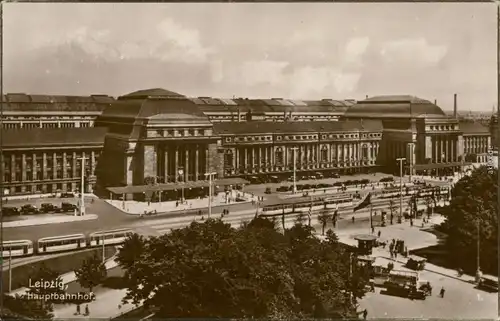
x: 61, y: 264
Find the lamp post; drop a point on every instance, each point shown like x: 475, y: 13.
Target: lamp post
x: 210, y: 192
x: 478, y: 256
x: 400, y: 160
x: 294, y: 169
x: 82, y: 187
x: 181, y: 174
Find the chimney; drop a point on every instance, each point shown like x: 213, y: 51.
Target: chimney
x: 366, y: 97
x: 435, y: 101
x: 455, y: 105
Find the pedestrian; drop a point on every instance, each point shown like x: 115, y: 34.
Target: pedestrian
x: 379, y: 233
x: 395, y: 255
x: 373, y: 229
x: 441, y: 293
x: 365, y: 313
x: 78, y: 309
x: 87, y: 311
x: 353, y: 219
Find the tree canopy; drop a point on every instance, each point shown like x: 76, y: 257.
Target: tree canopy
x: 474, y: 203
x: 212, y: 270
x: 91, y: 273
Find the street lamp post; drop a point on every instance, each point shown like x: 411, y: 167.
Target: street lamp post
x: 478, y: 256
x: 294, y: 169
x: 400, y: 160
x: 210, y: 192
x: 82, y: 187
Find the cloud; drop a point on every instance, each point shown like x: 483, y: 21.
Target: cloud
x: 413, y: 50
x: 168, y: 41
x: 254, y: 73
x: 307, y: 82
x: 356, y: 48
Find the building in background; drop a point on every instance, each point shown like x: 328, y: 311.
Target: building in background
x: 161, y: 138
x: 43, y: 111
x: 40, y: 161
x: 415, y: 129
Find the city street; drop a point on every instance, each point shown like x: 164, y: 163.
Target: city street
x: 461, y: 301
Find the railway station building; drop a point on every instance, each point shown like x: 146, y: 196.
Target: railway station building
x: 160, y: 140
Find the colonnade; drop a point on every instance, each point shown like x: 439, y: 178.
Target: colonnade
x: 444, y: 149
x: 190, y: 159
x: 262, y: 157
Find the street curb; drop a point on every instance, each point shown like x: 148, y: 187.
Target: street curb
x: 29, y: 222
x: 179, y: 213
x: 432, y: 271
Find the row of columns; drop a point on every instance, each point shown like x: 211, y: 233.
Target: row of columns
x: 445, y: 149
x: 476, y: 144
x: 22, y: 164
x: 192, y: 159
x: 306, y: 154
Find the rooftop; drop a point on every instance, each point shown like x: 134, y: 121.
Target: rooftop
x: 256, y: 127
x: 26, y: 102
x: 397, y: 106
x: 473, y: 127
x: 152, y: 92
x: 43, y: 137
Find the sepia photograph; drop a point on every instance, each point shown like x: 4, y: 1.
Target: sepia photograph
x: 243, y: 161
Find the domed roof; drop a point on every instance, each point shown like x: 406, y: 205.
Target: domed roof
x: 153, y: 92
x: 399, y: 106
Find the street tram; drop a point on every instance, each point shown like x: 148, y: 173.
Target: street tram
x: 17, y: 248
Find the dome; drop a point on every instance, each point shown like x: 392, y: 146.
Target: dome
x: 394, y: 107
x: 149, y: 93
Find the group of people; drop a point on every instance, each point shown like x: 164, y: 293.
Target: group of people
x: 87, y: 311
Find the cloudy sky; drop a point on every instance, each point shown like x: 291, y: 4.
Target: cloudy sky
x: 298, y: 51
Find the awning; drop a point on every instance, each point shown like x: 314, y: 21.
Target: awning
x: 135, y: 189
x: 439, y: 165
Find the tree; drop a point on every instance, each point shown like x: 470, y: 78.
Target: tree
x: 211, y: 270
x: 474, y: 204
x: 92, y: 272
x: 41, y: 274
x: 25, y: 308
x: 323, y: 219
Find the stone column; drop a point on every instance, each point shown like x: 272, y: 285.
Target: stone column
x: 176, y: 164
x: 13, y: 168
x: 197, y: 162
x: 75, y: 174
x: 259, y: 163
x: 23, y: 168
x: 34, y: 171
x: 435, y: 147
x: 237, y: 159
x: 245, y: 150
x: 44, y: 166
x: 186, y: 163
x: 64, y: 165
x: 54, y: 166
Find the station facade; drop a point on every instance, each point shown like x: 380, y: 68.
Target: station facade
x: 161, y: 137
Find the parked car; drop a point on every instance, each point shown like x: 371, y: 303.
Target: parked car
x: 336, y: 175
x: 68, y: 207
x: 29, y: 209
x: 49, y: 207
x: 10, y: 211
x: 67, y: 195
x: 268, y: 190
x: 283, y: 189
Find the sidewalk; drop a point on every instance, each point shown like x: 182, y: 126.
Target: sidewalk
x: 49, y: 219
x: 37, y: 196
x: 138, y: 208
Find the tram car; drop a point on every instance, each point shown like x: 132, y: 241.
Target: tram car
x: 62, y: 243
x: 17, y: 248
x: 304, y: 204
